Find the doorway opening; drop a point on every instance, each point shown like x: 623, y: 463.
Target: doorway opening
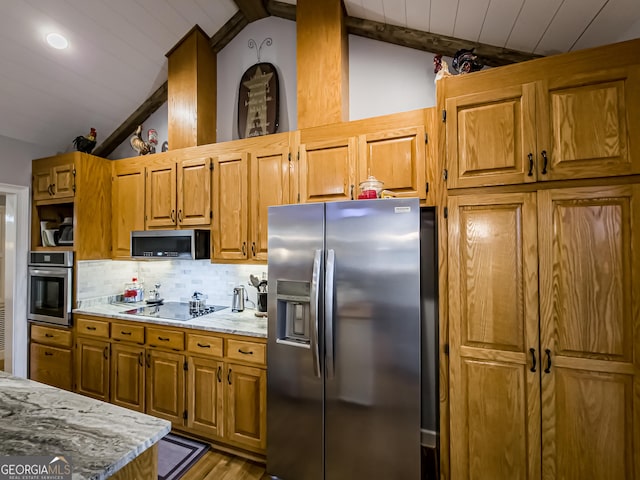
x: 16, y: 243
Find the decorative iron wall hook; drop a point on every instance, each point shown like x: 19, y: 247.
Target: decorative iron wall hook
x: 252, y: 44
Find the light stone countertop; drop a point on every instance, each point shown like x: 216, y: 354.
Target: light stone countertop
x: 224, y: 321
x: 100, y: 438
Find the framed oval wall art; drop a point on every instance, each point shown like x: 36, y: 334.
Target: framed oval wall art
x: 258, y: 101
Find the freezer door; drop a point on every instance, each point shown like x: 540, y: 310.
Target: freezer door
x: 294, y: 380
x: 372, y: 390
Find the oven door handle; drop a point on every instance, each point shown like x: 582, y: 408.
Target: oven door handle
x: 50, y: 272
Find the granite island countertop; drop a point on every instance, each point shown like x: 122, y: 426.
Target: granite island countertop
x: 100, y: 438
x: 224, y: 321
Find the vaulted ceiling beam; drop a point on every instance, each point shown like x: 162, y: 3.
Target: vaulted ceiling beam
x: 434, y: 43
x: 252, y: 9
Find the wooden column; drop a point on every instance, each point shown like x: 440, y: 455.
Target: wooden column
x: 192, y: 91
x: 323, y: 63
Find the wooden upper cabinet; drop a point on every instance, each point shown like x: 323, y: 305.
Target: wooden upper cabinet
x: 127, y: 206
x: 179, y: 194
x: 588, y: 124
x: 577, y: 124
x: 230, y: 204
x: 160, y: 201
x: 589, y: 331
x: 194, y: 192
x: 328, y: 170
x: 493, y: 326
x: 269, y: 186
x: 396, y: 157
x: 52, y: 180
x: 491, y: 137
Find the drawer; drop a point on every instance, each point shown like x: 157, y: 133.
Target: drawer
x: 127, y: 333
x: 247, y: 351
x: 92, y: 328
x: 51, y: 365
x: 158, y: 337
x: 204, y: 345
x: 51, y: 336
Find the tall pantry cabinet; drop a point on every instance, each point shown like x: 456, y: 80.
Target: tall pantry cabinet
x: 544, y: 269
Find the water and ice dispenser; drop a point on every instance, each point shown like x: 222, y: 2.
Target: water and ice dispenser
x: 293, y: 313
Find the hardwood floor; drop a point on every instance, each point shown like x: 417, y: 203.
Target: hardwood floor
x: 215, y: 465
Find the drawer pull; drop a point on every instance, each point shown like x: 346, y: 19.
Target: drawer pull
x: 48, y: 335
x: 203, y: 346
x: 245, y: 352
x: 122, y: 332
x: 164, y: 339
x: 91, y: 328
x: 48, y: 354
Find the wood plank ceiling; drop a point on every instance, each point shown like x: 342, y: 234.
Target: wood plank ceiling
x: 117, y: 62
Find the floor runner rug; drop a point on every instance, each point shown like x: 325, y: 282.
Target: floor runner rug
x: 177, y: 454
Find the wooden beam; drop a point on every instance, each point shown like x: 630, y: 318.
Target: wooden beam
x: 281, y: 10
x: 434, y: 43
x: 228, y: 31
x: 252, y: 9
x: 128, y: 127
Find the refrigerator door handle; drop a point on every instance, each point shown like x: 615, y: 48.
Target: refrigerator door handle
x: 329, y: 315
x: 314, y: 310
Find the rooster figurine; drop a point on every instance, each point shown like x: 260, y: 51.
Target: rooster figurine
x: 85, y: 143
x: 138, y: 144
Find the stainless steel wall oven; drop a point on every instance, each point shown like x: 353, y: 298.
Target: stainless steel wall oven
x: 50, y: 287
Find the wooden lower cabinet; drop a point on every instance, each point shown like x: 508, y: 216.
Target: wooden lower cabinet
x: 165, y: 386
x: 50, y: 357
x: 51, y: 365
x: 544, y: 369
x: 92, y: 368
x: 128, y: 376
x: 205, y: 396
x: 246, y: 411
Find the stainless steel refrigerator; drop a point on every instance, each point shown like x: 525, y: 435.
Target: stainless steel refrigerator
x: 344, y: 341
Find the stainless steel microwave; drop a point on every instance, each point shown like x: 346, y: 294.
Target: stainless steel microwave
x: 167, y: 244
x: 50, y: 287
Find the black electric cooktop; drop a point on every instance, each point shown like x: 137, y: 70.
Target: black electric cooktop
x: 173, y: 311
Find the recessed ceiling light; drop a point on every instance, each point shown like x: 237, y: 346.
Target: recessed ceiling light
x: 57, y: 41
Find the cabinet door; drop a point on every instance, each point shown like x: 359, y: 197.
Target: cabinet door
x: 205, y: 396
x: 588, y: 125
x: 246, y: 406
x: 51, y: 365
x: 63, y: 181
x: 590, y: 332
x: 127, y: 376
x: 127, y: 207
x: 328, y: 170
x: 42, y: 184
x: 194, y: 192
x: 231, y: 216
x: 165, y: 386
x: 160, y: 192
x: 491, y: 137
x: 269, y: 186
x: 92, y: 368
x: 397, y: 158
x: 493, y: 331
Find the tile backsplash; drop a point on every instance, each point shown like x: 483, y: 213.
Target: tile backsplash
x: 178, y: 279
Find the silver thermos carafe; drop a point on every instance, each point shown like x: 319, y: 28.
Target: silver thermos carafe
x: 238, y: 299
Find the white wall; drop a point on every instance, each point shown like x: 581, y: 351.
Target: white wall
x: 15, y: 160
x: 383, y: 79
x: 158, y: 121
